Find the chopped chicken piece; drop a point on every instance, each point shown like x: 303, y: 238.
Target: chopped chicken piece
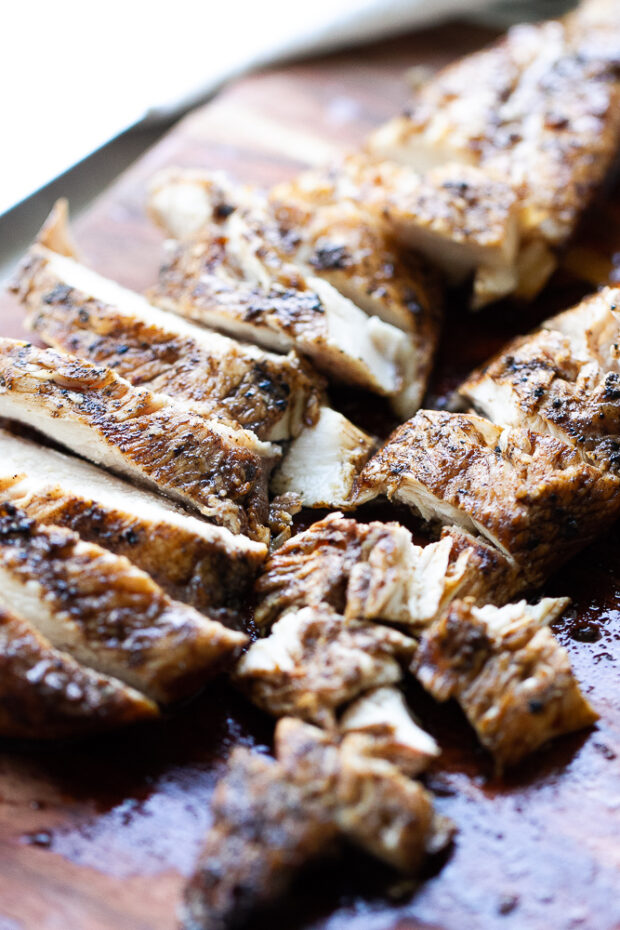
x: 531, y: 495
x: 75, y: 310
x: 508, y: 673
x: 562, y: 381
x: 374, y: 571
x: 273, y: 818
x: 539, y: 110
x: 46, y: 694
x: 107, y: 613
x: 321, y: 465
x: 193, y: 561
x: 314, y: 661
x: 391, y: 732
x: 456, y: 215
x: 266, y: 828
x: 221, y: 472
x: 237, y: 276
x: 374, y: 804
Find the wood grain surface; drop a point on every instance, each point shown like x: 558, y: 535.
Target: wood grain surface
x: 100, y: 835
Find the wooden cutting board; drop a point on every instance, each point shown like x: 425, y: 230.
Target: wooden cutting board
x: 101, y: 835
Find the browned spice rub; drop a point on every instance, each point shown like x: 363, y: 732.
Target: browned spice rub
x: 272, y: 818
x: 46, y: 694
x: 531, y: 495
x: 222, y: 473
x: 106, y: 612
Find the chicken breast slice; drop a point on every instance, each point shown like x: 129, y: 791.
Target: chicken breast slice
x: 272, y: 818
x: 193, y: 561
x: 237, y: 276
x: 371, y: 571
x: 75, y: 310
x: 221, y: 472
x: 508, y: 673
x: 321, y: 465
x: 46, y: 694
x: 106, y: 612
x: 314, y: 662
x: 530, y: 495
x: 456, y: 215
x: 538, y: 110
x: 563, y: 380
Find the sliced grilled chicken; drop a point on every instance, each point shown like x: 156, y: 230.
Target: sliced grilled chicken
x: 456, y: 215
x: 321, y: 465
x: 107, y: 613
x: 193, y: 561
x: 332, y: 236
x: 530, y: 495
x: 314, y: 662
x: 75, y: 310
x: 374, y: 571
x: 539, y: 110
x: 383, y: 717
x: 563, y: 380
x: 46, y: 694
x: 508, y: 673
x: 273, y: 818
x: 237, y: 276
x: 205, y: 464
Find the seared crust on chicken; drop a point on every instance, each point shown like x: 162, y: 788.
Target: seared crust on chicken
x: 563, y: 380
x: 314, y: 662
x: 374, y: 805
x: 531, y: 495
x: 193, y: 561
x: 374, y: 571
x: 221, y: 472
x: 508, y: 673
x: 46, y: 694
x: 265, y: 829
x: 106, y: 612
x: 456, y: 215
x: 75, y: 310
x: 539, y: 110
x: 247, y: 273
x: 321, y: 465
x: 272, y: 818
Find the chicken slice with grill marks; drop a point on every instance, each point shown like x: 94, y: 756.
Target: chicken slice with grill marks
x: 530, y: 495
x: 46, y: 694
x: 107, y: 613
x: 375, y: 571
x: 314, y: 662
x: 272, y: 818
x: 540, y: 110
x: 205, y: 464
x: 562, y: 380
x: 321, y: 465
x: 508, y: 673
x: 236, y: 275
x: 193, y: 561
x: 461, y: 219
x: 75, y: 310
